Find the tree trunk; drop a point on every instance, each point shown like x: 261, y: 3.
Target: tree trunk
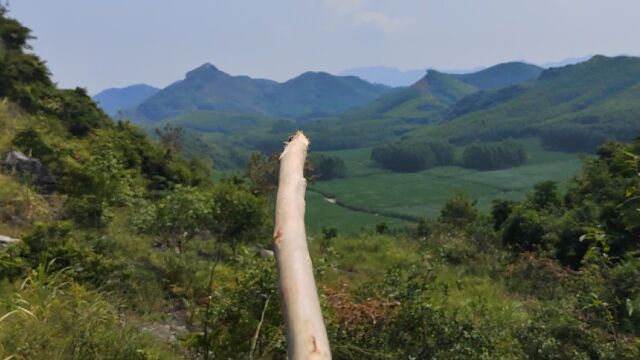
x: 306, y: 333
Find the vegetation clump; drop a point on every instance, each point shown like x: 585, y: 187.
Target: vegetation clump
x: 406, y: 157
x: 326, y: 167
x: 494, y: 156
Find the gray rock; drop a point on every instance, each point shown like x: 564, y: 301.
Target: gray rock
x: 6, y: 241
x: 264, y: 253
x: 26, y: 166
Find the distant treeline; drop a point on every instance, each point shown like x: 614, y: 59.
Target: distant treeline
x: 411, y: 157
x: 494, y: 156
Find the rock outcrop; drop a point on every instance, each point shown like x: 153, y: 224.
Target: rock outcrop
x: 6, y: 241
x: 31, y: 168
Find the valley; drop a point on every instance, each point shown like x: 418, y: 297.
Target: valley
x: 492, y: 104
x: 424, y: 193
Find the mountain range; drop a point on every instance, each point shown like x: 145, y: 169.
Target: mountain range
x: 310, y: 95
x: 573, y: 107
x: 395, y: 77
x: 115, y: 100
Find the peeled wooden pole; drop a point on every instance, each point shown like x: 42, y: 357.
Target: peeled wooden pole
x: 306, y: 333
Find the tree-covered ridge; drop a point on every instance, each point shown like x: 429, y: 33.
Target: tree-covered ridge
x: 309, y: 95
x: 573, y: 108
x: 425, y: 103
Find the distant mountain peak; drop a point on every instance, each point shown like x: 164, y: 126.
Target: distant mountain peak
x: 311, y: 94
x: 206, y: 69
x: 314, y: 75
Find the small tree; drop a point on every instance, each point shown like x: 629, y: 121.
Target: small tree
x: 545, y: 196
x: 237, y: 215
x: 458, y: 211
x: 262, y: 172
x: 180, y: 215
x: 104, y: 183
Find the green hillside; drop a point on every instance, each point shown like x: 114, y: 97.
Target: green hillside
x: 317, y: 94
x: 306, y: 96
x: 426, y: 102
x: 573, y: 108
x: 502, y: 75
x: 206, y: 88
x: 225, y: 138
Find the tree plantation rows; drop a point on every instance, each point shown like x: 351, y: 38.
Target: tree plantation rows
x: 411, y: 157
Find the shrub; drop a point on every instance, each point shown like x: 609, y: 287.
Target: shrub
x: 545, y: 196
x: 326, y: 167
x: 540, y: 277
x: 459, y: 211
x: 524, y: 230
x: 55, y: 318
x: 500, y: 211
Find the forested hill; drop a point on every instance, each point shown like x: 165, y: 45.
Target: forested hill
x: 574, y: 108
x: 308, y: 95
x: 424, y: 103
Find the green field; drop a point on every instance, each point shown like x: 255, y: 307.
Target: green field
x: 322, y: 214
x: 424, y: 193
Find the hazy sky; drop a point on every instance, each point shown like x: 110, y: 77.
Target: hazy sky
x: 105, y: 43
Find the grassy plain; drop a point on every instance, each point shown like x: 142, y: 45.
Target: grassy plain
x: 424, y: 193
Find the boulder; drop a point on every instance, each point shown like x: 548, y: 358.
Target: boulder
x: 264, y: 253
x: 32, y: 168
x: 6, y: 241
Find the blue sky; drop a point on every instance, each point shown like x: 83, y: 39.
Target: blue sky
x: 104, y: 43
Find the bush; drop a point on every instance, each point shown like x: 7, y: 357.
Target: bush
x: 524, y: 230
x: 326, y: 167
x: 459, y: 211
x: 540, y: 277
x: 55, y: 318
x: 237, y: 311
x: 500, y: 211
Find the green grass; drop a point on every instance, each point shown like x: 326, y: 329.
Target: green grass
x: 322, y: 214
x: 424, y: 193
